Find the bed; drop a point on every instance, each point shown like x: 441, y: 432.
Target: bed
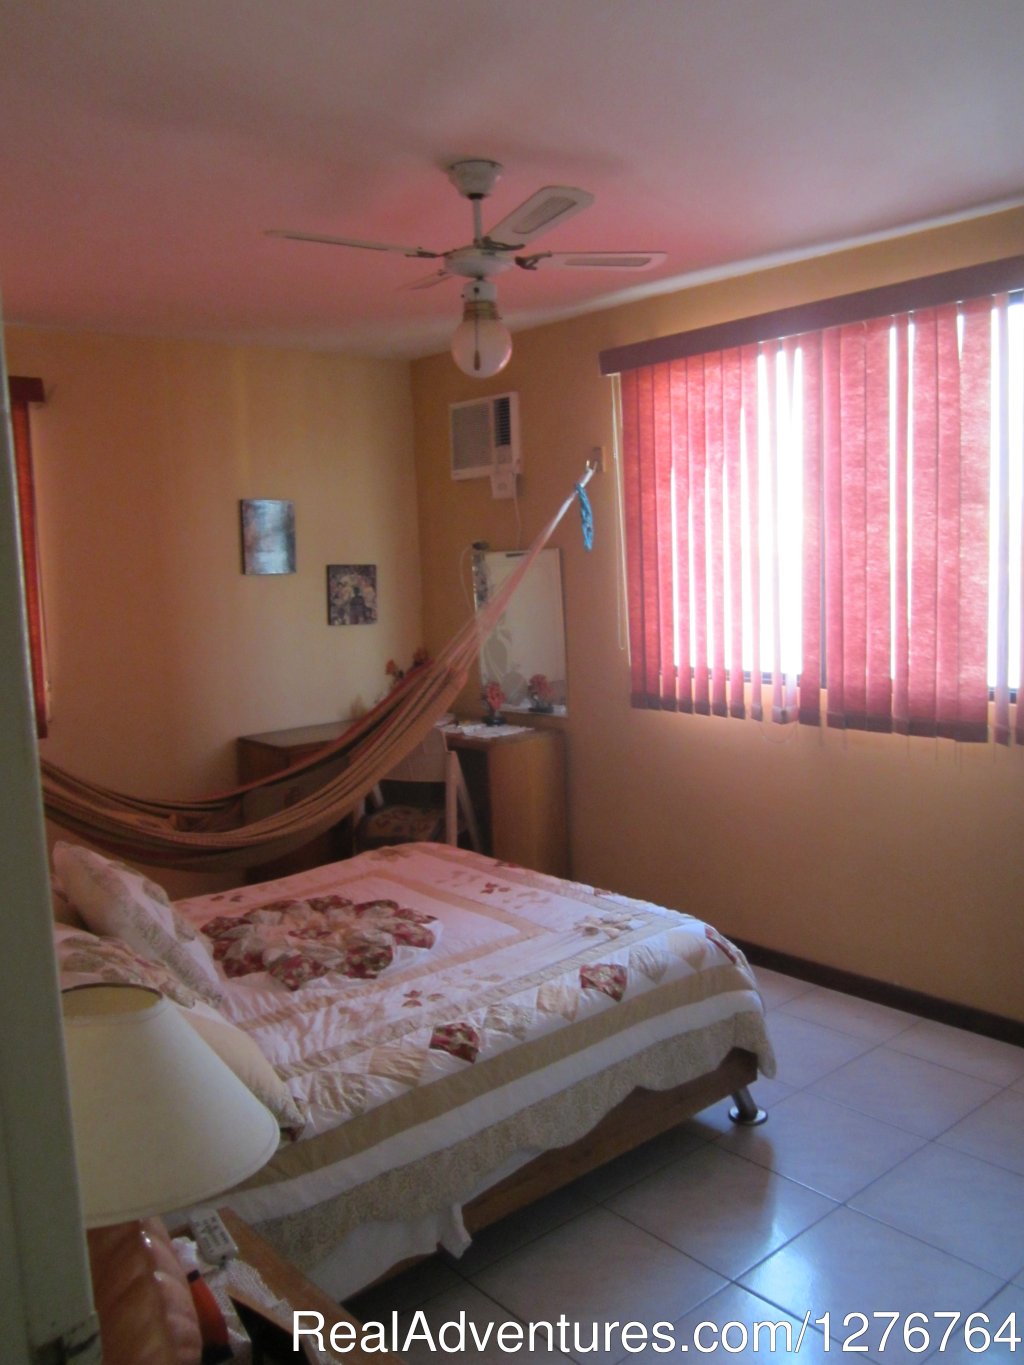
x: 445, y: 1037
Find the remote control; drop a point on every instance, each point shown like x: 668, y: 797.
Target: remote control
x: 212, y: 1238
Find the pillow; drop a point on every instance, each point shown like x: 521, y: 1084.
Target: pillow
x: 83, y: 959
x: 115, y: 900
x: 63, y: 911
x: 249, y: 1063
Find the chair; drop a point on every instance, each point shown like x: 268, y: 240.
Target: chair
x: 423, y: 799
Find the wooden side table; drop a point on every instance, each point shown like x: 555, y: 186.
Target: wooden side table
x: 263, y: 755
x: 288, y: 1283
x: 517, y: 785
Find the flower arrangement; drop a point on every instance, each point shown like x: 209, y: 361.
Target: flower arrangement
x: 494, y: 700
x: 396, y: 674
x: 542, y: 694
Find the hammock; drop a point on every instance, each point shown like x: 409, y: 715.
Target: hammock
x: 305, y: 799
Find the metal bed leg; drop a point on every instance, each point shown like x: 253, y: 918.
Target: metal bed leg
x: 745, y: 1111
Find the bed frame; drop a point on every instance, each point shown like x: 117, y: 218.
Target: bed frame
x: 641, y: 1116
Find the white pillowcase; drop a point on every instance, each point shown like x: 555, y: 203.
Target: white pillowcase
x: 86, y: 959
x: 63, y: 911
x: 248, y: 1061
x: 115, y: 900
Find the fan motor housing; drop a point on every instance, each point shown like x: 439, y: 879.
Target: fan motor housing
x: 477, y: 263
x: 475, y: 179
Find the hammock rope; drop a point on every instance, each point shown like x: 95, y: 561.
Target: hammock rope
x: 229, y: 830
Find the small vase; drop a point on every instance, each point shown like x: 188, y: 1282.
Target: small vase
x: 492, y: 718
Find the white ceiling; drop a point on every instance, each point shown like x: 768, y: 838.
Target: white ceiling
x: 145, y: 145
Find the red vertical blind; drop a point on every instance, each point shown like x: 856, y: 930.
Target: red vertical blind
x: 817, y: 509
x: 24, y: 391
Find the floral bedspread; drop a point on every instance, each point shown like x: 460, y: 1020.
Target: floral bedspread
x: 540, y: 1007
x: 528, y: 968
x: 297, y: 939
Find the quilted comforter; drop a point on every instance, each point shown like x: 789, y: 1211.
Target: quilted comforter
x: 520, y: 1010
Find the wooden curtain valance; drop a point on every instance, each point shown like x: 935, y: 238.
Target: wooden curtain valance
x: 928, y: 291
x: 25, y: 390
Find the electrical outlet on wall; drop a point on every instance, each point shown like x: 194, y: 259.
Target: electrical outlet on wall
x: 503, y: 483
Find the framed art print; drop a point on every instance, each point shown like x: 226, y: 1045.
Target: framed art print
x: 351, y: 594
x: 268, y: 535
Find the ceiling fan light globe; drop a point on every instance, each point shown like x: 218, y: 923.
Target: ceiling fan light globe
x: 481, y: 346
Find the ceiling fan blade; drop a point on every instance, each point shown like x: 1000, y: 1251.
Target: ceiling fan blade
x: 592, y: 260
x: 543, y: 210
x: 353, y: 241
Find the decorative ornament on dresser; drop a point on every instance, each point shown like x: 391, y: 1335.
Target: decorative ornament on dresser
x: 494, y: 700
x: 542, y: 694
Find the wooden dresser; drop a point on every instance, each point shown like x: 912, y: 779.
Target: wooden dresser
x: 263, y: 755
x: 517, y: 783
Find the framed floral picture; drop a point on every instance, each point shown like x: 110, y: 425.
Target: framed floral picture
x: 268, y: 535
x: 351, y: 594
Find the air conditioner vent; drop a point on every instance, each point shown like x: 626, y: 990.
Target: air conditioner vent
x: 503, y: 421
x: 485, y: 436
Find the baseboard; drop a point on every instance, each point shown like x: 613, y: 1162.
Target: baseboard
x: 998, y: 1026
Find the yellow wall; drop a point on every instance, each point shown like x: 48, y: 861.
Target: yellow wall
x: 161, y: 650
x: 902, y: 860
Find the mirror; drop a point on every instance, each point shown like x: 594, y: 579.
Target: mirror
x: 529, y: 639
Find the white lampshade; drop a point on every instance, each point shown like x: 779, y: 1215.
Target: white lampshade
x: 481, y: 344
x: 160, y: 1122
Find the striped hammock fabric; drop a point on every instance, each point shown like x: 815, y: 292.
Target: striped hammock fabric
x: 214, y: 833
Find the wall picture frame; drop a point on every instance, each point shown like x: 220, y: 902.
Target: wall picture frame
x: 351, y: 594
x: 268, y: 535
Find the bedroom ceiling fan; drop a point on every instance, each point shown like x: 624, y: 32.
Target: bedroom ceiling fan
x: 481, y: 344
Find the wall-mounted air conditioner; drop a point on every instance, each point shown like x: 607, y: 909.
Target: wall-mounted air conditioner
x: 485, y: 437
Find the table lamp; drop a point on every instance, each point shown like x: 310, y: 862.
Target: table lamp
x: 160, y: 1123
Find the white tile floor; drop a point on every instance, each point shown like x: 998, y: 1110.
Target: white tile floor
x: 888, y: 1178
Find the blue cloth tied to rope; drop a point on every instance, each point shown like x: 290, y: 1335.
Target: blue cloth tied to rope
x: 586, y: 517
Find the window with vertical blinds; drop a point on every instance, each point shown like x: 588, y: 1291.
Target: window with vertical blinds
x: 825, y: 525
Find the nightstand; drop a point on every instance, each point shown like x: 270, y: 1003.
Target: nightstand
x: 290, y: 1284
